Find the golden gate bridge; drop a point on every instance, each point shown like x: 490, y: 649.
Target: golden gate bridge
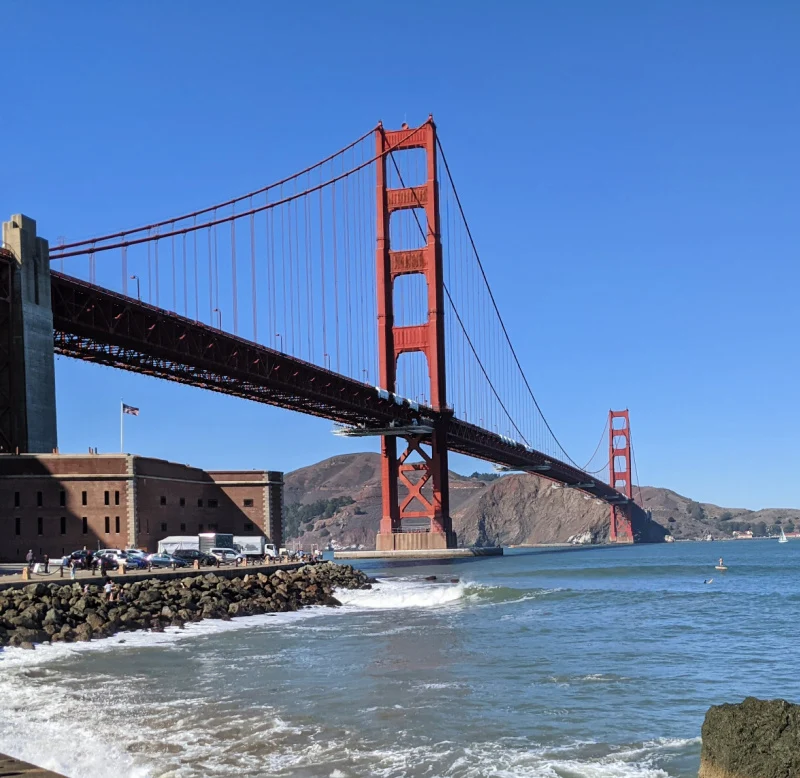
x: 352, y: 290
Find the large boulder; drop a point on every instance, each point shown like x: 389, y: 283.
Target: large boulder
x: 751, y: 739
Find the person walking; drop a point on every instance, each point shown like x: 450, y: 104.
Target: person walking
x: 29, y: 558
x: 47, y: 563
x: 72, y: 570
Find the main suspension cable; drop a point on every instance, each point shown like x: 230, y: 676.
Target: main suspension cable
x: 497, y: 310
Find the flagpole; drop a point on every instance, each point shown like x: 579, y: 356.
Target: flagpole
x: 121, y: 429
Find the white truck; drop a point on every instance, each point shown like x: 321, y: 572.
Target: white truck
x: 172, y: 543
x: 247, y: 545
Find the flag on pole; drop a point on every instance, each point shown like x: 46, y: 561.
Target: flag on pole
x: 130, y: 409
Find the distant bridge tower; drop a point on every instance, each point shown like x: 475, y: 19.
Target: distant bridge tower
x: 425, y: 487
x: 27, y: 368
x: 619, y: 474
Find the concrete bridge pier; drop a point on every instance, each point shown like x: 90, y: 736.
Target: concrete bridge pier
x: 27, y: 361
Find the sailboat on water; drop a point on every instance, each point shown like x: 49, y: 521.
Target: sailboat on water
x: 783, y: 538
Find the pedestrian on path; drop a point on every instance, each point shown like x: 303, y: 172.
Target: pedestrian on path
x: 29, y: 558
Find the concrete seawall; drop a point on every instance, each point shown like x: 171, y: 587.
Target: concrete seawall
x: 10, y: 766
x: 428, y: 553
x: 164, y: 574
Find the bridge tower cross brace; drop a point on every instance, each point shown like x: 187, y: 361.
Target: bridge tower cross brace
x: 431, y: 473
x: 619, y: 474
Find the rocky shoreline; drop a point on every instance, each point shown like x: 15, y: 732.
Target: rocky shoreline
x: 64, y: 612
x: 751, y: 739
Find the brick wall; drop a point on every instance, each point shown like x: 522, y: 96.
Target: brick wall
x: 54, y: 504
x: 118, y: 501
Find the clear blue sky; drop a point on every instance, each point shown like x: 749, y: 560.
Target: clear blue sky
x: 631, y: 171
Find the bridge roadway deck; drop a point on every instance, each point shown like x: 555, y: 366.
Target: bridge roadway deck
x: 97, y: 325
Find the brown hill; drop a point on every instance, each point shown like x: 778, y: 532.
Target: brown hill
x: 520, y: 509
x: 356, y: 477
x: 686, y: 519
x: 339, y: 501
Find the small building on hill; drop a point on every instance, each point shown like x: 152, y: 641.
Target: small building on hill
x: 56, y: 503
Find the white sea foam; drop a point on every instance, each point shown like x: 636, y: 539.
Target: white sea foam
x: 402, y: 593
x: 81, y: 724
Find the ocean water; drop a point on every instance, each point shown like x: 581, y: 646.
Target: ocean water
x: 587, y: 663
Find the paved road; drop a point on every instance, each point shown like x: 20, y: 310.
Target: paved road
x: 14, y: 578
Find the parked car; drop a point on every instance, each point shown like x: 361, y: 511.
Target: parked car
x: 192, y: 554
x: 228, y: 555
x: 135, y: 552
x: 165, y: 560
x: 78, y: 556
x: 109, y: 552
x: 133, y: 562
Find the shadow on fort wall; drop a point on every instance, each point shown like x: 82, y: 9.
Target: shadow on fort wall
x: 229, y: 517
x: 13, y: 546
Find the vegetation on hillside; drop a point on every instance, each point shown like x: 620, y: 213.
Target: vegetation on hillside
x: 297, y: 514
x: 486, y: 476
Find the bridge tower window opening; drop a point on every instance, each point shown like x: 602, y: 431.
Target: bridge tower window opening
x: 413, y: 377
x: 410, y: 300
x: 408, y: 229
x: 407, y: 168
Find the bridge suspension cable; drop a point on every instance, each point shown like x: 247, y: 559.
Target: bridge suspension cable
x: 495, y: 347
x: 294, y: 269
x: 213, y: 208
x: 291, y: 265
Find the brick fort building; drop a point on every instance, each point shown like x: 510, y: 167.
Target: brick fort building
x: 56, y: 503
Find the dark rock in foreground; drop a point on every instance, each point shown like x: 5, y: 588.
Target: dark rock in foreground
x: 752, y: 739
x: 50, y: 613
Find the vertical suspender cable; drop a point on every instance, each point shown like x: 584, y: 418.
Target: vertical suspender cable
x: 174, y: 272
x: 210, y: 280
x: 253, y: 279
x: 124, y: 270
x: 234, y: 289
x: 185, y: 282
x: 196, y: 280
x: 335, y: 275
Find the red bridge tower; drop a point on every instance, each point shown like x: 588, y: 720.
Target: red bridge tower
x: 619, y: 475
x: 424, y: 483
